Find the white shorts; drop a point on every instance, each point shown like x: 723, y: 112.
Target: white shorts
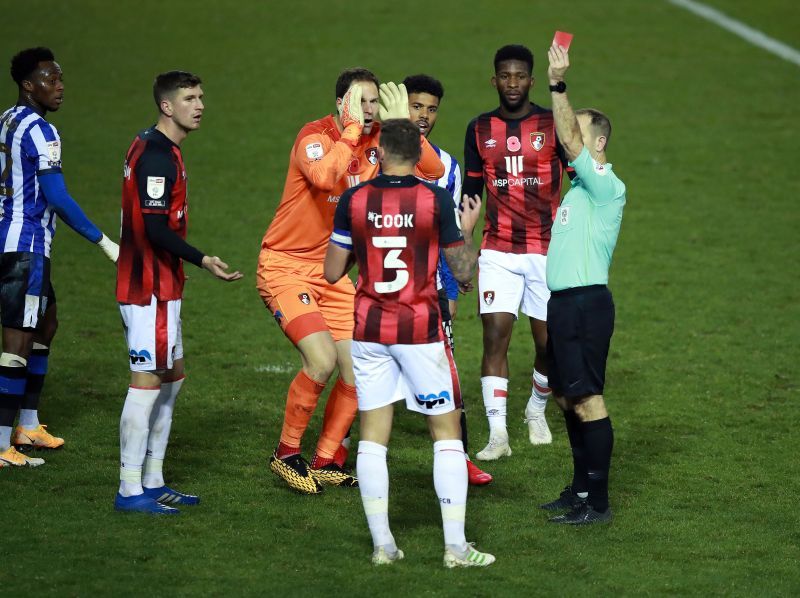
x: 153, y: 333
x: 508, y: 281
x: 424, y: 375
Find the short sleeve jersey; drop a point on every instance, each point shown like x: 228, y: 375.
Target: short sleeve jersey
x: 154, y: 183
x: 29, y: 147
x: 521, y: 163
x: 395, y: 227
x: 586, y: 227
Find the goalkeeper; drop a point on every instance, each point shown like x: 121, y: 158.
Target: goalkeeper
x: 329, y: 155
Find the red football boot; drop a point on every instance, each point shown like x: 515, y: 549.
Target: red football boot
x: 477, y: 477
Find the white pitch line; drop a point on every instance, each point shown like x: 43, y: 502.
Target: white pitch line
x: 754, y: 36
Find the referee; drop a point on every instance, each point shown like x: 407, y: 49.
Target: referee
x: 580, y: 313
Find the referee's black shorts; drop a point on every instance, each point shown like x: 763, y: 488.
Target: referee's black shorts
x: 580, y: 322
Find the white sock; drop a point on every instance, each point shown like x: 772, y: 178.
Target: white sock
x: 495, y: 394
x: 373, y: 483
x: 133, y: 430
x: 450, y: 480
x: 160, y: 425
x: 540, y: 392
x: 29, y: 418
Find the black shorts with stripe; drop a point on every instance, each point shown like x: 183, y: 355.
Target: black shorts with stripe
x: 580, y: 322
x: 25, y: 289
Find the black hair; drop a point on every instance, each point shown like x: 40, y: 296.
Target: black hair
x: 514, y: 52
x: 26, y: 61
x: 400, y: 140
x: 170, y: 82
x: 348, y: 76
x: 424, y: 84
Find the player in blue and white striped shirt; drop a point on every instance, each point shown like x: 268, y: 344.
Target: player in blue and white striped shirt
x: 32, y: 192
x: 424, y: 96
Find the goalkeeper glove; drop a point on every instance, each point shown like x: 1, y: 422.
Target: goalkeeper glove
x: 110, y: 248
x: 394, y: 101
x: 350, y: 115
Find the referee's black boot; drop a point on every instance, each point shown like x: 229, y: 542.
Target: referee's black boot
x: 583, y: 515
x: 567, y: 500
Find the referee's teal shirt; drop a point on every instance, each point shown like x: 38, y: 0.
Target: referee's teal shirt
x: 586, y: 227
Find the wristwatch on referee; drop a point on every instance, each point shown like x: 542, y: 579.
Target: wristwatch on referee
x: 559, y: 87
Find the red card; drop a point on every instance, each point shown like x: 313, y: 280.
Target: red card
x: 562, y: 39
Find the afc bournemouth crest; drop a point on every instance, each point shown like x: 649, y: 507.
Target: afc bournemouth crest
x: 488, y: 297
x: 372, y: 155
x: 304, y: 298
x: 537, y: 141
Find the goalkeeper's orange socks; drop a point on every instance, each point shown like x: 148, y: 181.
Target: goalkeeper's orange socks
x: 301, y: 400
x: 340, y: 412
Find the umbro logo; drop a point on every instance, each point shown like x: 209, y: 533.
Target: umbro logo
x: 490, y: 143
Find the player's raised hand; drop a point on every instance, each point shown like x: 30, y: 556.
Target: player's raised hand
x: 219, y: 269
x: 559, y: 62
x: 470, y: 212
x: 394, y: 101
x: 350, y: 112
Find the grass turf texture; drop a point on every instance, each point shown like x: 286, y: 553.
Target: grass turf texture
x: 702, y: 380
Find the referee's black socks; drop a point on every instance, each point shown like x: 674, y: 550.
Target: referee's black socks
x: 598, y: 441
x: 575, y: 434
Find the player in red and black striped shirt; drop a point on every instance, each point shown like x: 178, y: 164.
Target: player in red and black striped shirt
x: 394, y: 227
x: 149, y: 290
x: 514, y: 152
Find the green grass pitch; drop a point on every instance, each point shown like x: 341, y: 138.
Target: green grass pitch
x: 703, y: 375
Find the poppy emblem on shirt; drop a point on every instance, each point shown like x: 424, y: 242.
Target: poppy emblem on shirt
x: 513, y: 144
x: 537, y: 140
x: 353, y: 167
x: 305, y: 299
x: 372, y: 155
x: 488, y: 297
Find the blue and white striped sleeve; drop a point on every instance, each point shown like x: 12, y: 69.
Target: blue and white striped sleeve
x: 456, y: 190
x: 44, y: 147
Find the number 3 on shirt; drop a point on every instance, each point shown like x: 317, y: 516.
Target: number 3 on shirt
x: 8, y: 191
x: 395, y: 245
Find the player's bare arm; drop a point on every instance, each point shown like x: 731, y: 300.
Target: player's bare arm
x: 567, y: 127
x: 463, y: 259
x: 219, y: 269
x: 569, y: 132
x: 337, y: 262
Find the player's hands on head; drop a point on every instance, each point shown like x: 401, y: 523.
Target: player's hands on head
x: 350, y: 112
x: 559, y: 63
x: 219, y: 268
x: 470, y: 212
x: 110, y: 248
x: 394, y: 101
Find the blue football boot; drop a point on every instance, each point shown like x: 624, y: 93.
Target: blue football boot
x: 167, y: 496
x: 141, y: 503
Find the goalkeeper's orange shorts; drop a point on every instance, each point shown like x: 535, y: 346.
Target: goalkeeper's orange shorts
x: 300, y: 298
